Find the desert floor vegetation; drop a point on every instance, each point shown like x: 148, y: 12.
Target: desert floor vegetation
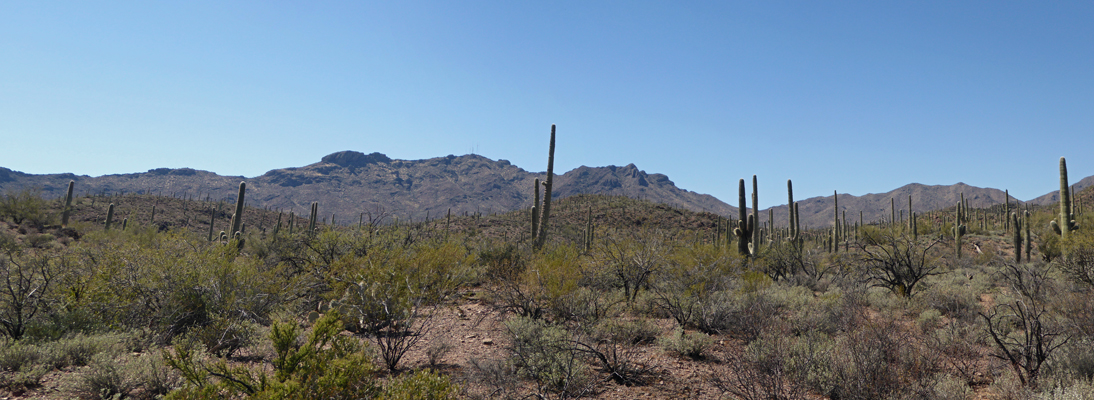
x: 625, y: 299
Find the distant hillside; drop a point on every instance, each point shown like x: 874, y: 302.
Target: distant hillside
x: 349, y: 183
x: 1054, y: 196
x: 817, y: 212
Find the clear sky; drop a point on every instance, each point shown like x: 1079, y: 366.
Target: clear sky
x: 859, y: 97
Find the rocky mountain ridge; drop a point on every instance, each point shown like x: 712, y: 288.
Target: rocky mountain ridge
x: 350, y: 185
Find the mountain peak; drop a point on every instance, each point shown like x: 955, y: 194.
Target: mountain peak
x: 350, y: 158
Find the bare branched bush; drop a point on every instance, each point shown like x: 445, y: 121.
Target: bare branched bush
x: 1024, y: 332
x: 632, y: 260
x: 896, y: 261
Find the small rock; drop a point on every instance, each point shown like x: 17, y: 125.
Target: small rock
x: 488, y: 341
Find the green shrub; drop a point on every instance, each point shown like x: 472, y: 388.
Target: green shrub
x: 18, y: 356
x: 546, y: 354
x: 692, y: 345
x: 25, y: 205
x: 420, y: 385
x: 104, y: 380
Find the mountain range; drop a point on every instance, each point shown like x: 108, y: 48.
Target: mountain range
x: 349, y: 185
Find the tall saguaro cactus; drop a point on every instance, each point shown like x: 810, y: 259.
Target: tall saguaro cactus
x: 958, y: 230
x: 1065, y: 223
x: 755, y: 217
x: 312, y: 219
x: 541, y: 238
x: 1029, y: 239
x: 745, y: 223
x: 835, y: 221
x: 792, y: 215
x: 1017, y: 237
x: 535, y: 210
x: 237, y: 218
x: 109, y: 216
x: 68, y: 204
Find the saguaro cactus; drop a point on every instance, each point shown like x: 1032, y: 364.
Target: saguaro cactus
x: 109, y: 216
x: 313, y: 217
x: 1066, y: 221
x: 1029, y: 239
x: 745, y: 223
x: 541, y: 238
x: 1017, y: 238
x: 237, y: 219
x: 791, y: 216
x: 835, y: 222
x: 68, y: 204
x: 958, y: 230
x: 756, y: 216
x: 535, y: 209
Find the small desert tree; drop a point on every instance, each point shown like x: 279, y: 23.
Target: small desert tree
x: 896, y: 261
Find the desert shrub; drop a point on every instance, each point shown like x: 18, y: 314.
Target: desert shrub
x: 954, y: 298
x: 692, y: 278
x: 949, y: 387
x: 26, y: 283
x: 548, y: 280
x: 959, y: 346
x: 627, y: 330
x: 25, y: 205
x: 743, y: 315
x: 17, y: 356
x: 764, y: 369
x: 503, y: 262
x: 1024, y: 333
x: 1077, y: 390
x: 324, y: 364
x: 22, y: 380
x: 396, y: 292
x: 1078, y: 263
x: 152, y: 376
x: 104, y: 380
x: 546, y: 354
x: 80, y: 350
x: 174, y: 283
x: 1075, y: 361
x: 633, y: 259
x: 879, y: 360
x: 437, y: 350
x: 895, y: 261
x: 587, y: 307
x: 497, y: 378
x: 420, y: 385
x: 692, y: 345
x: 829, y: 312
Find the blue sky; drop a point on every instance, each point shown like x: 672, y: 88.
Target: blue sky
x: 859, y: 97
